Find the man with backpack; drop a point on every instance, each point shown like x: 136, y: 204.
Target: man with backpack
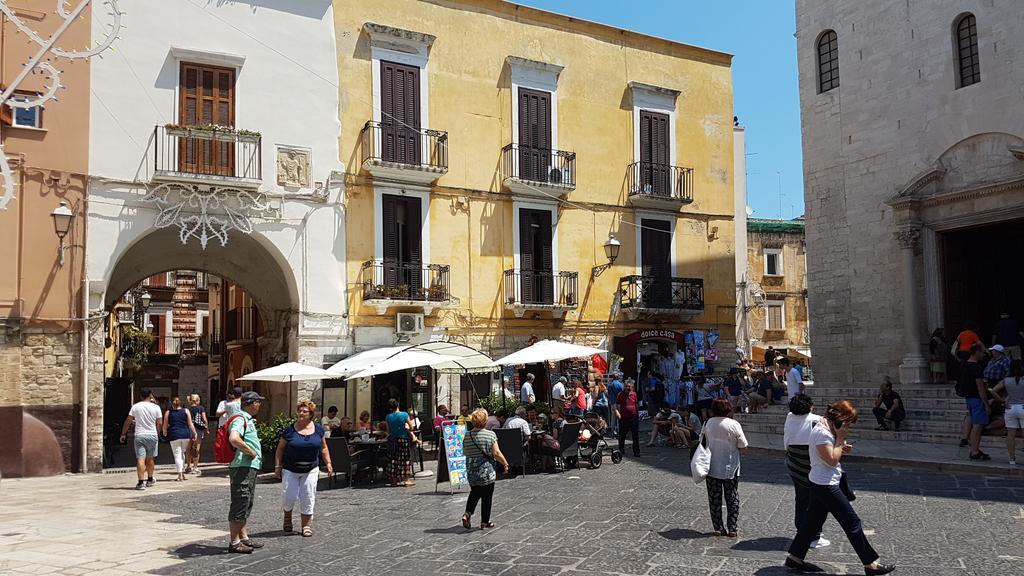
x: 244, y: 468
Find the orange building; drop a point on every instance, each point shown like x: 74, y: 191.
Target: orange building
x: 42, y: 381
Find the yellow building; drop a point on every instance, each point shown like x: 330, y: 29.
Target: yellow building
x: 777, y: 266
x: 493, y: 149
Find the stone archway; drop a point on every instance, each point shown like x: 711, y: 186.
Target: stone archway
x: 248, y: 261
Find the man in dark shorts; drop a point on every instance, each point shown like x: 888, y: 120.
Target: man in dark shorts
x: 243, y: 471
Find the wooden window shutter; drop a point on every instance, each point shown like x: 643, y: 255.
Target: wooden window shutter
x: 206, y: 96
x: 534, y: 134
x: 546, y: 258
x: 654, y: 153
x: 389, y: 227
x: 415, y: 229
x: 400, y: 112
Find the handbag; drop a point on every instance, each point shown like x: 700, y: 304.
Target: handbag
x: 700, y: 463
x: 481, y: 470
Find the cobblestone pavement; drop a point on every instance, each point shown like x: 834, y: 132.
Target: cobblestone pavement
x: 640, y: 517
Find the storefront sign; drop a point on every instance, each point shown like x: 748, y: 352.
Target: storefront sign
x: 654, y: 334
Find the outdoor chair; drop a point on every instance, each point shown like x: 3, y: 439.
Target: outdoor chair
x: 569, y: 441
x: 427, y: 433
x: 510, y: 442
x: 344, y: 462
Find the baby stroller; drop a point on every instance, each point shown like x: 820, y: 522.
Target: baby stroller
x: 592, y: 443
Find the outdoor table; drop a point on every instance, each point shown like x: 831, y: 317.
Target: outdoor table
x: 375, y: 445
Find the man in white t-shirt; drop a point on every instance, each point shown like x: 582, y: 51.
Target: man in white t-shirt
x: 794, y: 383
x: 518, y: 422
x: 558, y: 391
x: 228, y: 408
x: 331, y: 422
x: 147, y: 418
x: 526, y: 394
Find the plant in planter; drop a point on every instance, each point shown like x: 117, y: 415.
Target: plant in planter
x: 135, y: 345
x: 498, y: 405
x: 176, y: 129
x: 400, y: 291
x: 437, y: 292
x: 377, y: 291
x: 248, y: 135
x: 269, y: 433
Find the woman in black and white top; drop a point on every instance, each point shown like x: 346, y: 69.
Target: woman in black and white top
x: 797, y: 439
x: 827, y: 446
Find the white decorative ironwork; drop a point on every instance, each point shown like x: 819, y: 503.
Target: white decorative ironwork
x: 205, y: 214
x: 36, y: 65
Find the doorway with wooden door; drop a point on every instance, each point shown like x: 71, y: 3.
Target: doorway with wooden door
x: 403, y: 245
x: 206, y: 99
x: 655, y: 172
x: 534, y: 135
x: 656, y: 262
x: 536, y: 256
x: 400, y: 113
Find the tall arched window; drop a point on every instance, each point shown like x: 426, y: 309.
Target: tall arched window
x: 968, y: 64
x: 828, y: 61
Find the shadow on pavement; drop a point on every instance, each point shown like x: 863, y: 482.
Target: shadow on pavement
x: 453, y: 530
x: 198, y: 550
x: 769, y: 544
x: 684, y: 534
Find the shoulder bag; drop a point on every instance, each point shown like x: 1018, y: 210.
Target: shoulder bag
x: 700, y: 463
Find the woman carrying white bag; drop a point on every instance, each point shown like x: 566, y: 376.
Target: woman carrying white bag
x: 717, y: 462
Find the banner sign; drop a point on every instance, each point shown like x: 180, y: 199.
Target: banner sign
x: 453, y: 455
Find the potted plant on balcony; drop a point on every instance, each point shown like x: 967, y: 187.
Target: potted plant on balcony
x: 224, y: 134
x: 247, y: 135
x: 377, y: 291
x: 176, y: 130
x: 399, y: 292
x: 202, y: 131
x: 437, y: 293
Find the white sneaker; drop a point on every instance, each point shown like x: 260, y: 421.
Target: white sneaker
x: 821, y: 542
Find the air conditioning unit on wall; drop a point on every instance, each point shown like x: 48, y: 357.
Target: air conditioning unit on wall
x: 409, y: 324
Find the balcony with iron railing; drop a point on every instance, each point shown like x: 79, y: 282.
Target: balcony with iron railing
x: 207, y: 155
x: 388, y: 283
x: 657, y: 295
x: 541, y: 290
x: 538, y: 172
x: 653, y: 185
x: 402, y: 153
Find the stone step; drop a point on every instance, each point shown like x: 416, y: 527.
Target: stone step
x: 922, y: 391
x: 909, y: 425
x: 906, y: 437
x: 930, y: 403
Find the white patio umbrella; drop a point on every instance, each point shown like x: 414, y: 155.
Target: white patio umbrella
x: 404, y: 360
x: 363, y: 360
x: 548, y: 350
x: 289, y: 372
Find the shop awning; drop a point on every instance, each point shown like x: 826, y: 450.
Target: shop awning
x: 468, y: 360
x: 548, y: 351
x: 403, y: 361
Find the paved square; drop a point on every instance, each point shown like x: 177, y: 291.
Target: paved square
x: 639, y: 517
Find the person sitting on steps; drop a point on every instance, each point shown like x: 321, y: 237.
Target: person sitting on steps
x: 889, y: 407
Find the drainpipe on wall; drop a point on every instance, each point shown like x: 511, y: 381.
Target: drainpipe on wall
x: 84, y: 464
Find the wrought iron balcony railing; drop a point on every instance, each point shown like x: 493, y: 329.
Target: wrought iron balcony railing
x: 539, y: 166
x: 193, y: 153
x: 404, y: 147
x: 657, y: 293
x: 660, y: 182
x: 410, y: 281
x: 541, y: 289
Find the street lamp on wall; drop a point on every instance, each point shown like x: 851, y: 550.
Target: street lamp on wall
x: 61, y: 225
x: 611, y: 252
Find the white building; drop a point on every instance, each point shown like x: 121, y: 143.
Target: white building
x: 914, y: 177
x: 259, y: 202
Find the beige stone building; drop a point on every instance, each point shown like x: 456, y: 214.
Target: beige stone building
x: 914, y: 177
x: 777, y: 291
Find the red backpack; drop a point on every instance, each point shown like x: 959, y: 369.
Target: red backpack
x: 223, y: 451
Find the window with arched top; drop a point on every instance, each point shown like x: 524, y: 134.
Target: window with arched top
x: 828, y: 61
x: 968, y: 64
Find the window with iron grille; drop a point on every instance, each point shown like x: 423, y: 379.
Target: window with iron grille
x: 828, y: 61
x: 968, y: 63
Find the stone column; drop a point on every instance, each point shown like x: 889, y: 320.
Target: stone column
x: 914, y: 367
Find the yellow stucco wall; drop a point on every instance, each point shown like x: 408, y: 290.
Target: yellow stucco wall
x: 790, y: 287
x: 470, y: 97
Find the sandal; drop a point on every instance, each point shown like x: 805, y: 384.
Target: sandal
x: 408, y: 483
x: 288, y: 524
x: 486, y: 525
x: 465, y: 522
x: 307, y: 531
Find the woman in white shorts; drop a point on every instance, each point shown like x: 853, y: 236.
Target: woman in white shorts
x: 1013, y: 388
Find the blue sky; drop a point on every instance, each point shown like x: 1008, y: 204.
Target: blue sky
x: 759, y: 34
